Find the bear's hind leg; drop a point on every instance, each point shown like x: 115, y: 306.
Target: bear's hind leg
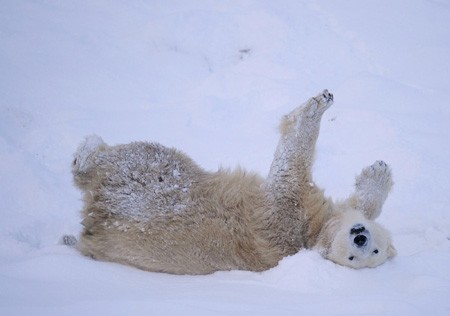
x: 83, y: 160
x: 68, y: 240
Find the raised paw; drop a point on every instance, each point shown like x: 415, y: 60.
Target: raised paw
x: 318, y: 105
x: 325, y: 98
x: 373, y: 186
x: 309, y: 114
x: 379, y: 172
x: 85, y: 151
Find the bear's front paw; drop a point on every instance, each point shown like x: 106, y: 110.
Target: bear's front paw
x: 316, y: 106
x: 372, y: 188
x: 380, y: 170
x: 325, y: 98
x: 377, y: 177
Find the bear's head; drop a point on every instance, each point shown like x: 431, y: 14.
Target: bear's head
x: 352, y: 240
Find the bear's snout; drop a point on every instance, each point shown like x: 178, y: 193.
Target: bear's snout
x: 359, y: 235
x: 357, y: 229
x: 360, y: 240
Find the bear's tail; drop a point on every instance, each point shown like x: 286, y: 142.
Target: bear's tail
x: 83, y: 158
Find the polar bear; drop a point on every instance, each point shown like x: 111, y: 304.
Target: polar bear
x: 154, y: 208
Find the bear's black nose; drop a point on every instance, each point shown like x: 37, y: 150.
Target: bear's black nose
x: 360, y: 240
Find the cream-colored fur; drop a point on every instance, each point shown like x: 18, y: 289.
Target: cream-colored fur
x: 153, y: 208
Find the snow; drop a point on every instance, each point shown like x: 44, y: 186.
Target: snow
x: 213, y: 78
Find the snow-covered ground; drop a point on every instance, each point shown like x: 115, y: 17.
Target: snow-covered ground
x: 213, y: 78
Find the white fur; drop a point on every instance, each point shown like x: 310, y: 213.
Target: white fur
x: 152, y: 207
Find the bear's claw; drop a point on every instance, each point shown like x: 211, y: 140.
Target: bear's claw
x: 316, y: 106
x: 380, y: 169
x: 325, y: 100
x: 326, y: 96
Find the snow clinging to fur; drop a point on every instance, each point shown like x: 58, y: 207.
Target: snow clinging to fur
x: 149, y: 179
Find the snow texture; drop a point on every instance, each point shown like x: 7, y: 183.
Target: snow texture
x: 150, y: 178
x: 213, y: 79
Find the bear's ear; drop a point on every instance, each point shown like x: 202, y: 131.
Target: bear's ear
x: 391, y: 251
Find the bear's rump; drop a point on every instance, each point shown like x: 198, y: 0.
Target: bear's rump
x: 141, y: 180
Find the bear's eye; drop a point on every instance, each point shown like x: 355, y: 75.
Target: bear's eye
x: 351, y: 258
x: 375, y: 251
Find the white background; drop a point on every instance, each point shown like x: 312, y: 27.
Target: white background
x: 213, y: 78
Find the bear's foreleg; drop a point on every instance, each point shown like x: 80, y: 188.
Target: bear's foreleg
x: 291, y: 169
x: 292, y: 198
x: 371, y: 189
